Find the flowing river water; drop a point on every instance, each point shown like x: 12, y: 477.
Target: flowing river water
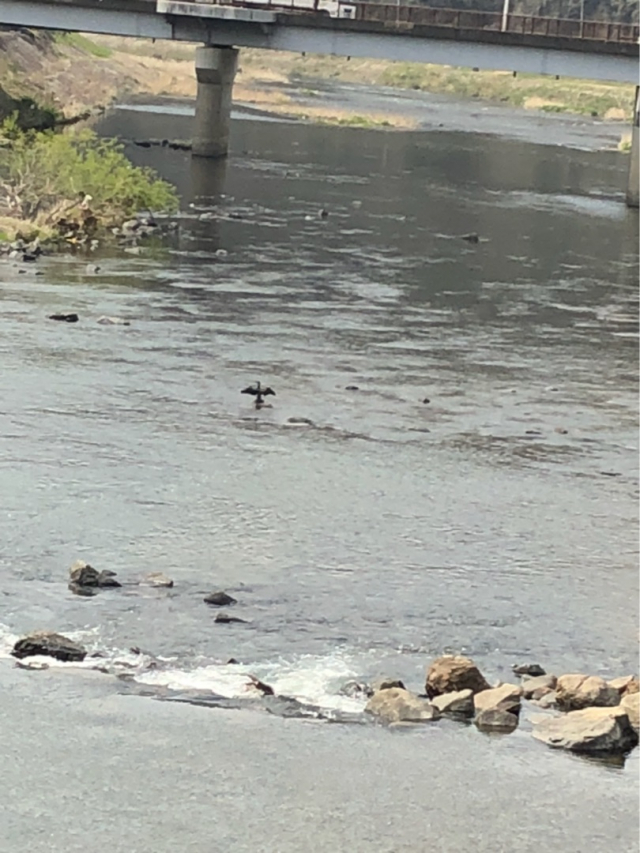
x: 362, y: 530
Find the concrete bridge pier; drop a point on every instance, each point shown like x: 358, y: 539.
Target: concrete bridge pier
x: 215, y: 73
x: 633, y: 185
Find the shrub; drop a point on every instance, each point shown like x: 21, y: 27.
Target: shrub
x: 42, y: 175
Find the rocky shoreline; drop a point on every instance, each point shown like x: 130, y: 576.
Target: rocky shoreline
x: 577, y: 712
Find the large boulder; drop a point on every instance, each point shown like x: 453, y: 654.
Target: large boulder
x: 591, y: 730
x: 451, y: 673
x: 503, y: 698
x: 536, y: 688
x: 50, y: 644
x: 630, y: 703
x: 575, y: 692
x: 459, y: 703
x: 395, y: 705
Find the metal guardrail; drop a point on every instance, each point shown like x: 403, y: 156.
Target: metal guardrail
x: 407, y: 16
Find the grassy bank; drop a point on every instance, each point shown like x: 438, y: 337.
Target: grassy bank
x: 72, y: 185
x: 263, y: 74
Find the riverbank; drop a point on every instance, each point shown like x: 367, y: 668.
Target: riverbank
x: 73, y: 72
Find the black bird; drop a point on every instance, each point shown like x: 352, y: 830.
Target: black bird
x: 258, y: 392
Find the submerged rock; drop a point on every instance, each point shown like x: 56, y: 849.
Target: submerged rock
x: 64, y: 318
x: 260, y: 686
x: 50, y: 644
x: 577, y: 691
x: 219, y: 599
x: 451, y: 673
x: 113, y: 321
x: 156, y: 579
x: 356, y: 689
x: 225, y: 619
x: 532, y: 669
x: 590, y: 730
x: 458, y: 703
x: 395, y: 705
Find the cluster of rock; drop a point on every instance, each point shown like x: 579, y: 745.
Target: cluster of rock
x: 593, y: 715
x: 86, y: 581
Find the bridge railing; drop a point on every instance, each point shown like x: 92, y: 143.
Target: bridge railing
x: 405, y: 16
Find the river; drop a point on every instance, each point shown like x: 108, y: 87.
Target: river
x: 362, y: 530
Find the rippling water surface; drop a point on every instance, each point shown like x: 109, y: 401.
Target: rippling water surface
x: 362, y: 531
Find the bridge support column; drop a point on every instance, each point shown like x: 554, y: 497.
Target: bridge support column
x: 633, y: 185
x: 215, y: 72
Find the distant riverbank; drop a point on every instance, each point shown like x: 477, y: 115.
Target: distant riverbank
x: 73, y: 72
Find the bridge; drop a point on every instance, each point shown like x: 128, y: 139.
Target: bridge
x: 407, y: 32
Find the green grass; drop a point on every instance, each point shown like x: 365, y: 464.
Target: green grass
x: 84, y: 44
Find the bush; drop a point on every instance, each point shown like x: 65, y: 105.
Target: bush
x: 43, y: 175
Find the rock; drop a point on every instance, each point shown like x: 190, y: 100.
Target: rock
x: 300, y: 422
x: 396, y: 705
x: 451, y: 673
x: 386, y: 684
x: 351, y: 388
x: 86, y: 591
x: 590, y: 730
x: 532, y: 669
x: 107, y: 579
x: 65, y: 318
x: 630, y: 703
x: 356, y: 689
x: 503, y: 698
x: 85, y: 580
x: 83, y: 574
x: 35, y: 665
x: 260, y: 686
x: 156, y: 579
x: 585, y: 691
x: 113, y: 321
x: 226, y: 619
x: 536, y: 688
x: 50, y: 644
x: 459, y: 702
x: 547, y: 700
x: 625, y: 684
x: 219, y: 599
x: 497, y: 719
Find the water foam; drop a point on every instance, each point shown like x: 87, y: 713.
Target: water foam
x: 310, y: 679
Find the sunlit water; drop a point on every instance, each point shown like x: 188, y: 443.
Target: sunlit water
x: 498, y: 519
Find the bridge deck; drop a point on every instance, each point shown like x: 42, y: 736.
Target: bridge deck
x: 588, y: 49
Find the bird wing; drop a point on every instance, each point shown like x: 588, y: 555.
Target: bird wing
x: 250, y: 390
x: 269, y: 391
